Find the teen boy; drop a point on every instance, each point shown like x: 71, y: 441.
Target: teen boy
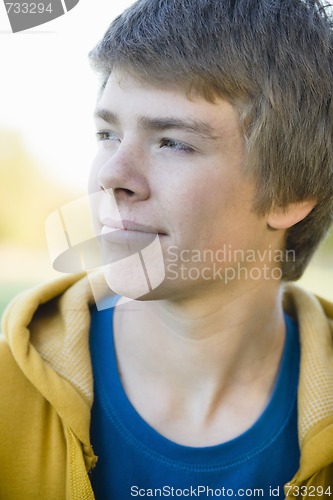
x: 215, y: 124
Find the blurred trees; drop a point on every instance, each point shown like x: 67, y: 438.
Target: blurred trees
x: 27, y: 195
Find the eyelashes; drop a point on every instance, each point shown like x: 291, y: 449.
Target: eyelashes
x: 106, y: 135
x: 176, y: 145
x: 167, y: 144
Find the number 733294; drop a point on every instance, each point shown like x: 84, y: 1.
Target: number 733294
x: 308, y: 491
x: 28, y: 8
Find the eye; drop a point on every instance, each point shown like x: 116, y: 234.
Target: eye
x: 176, y: 146
x: 106, y: 135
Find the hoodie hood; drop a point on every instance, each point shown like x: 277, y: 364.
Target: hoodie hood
x: 46, y: 329
x: 315, y: 393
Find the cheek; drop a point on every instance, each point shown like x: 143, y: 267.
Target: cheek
x: 207, y: 198
x: 195, y: 212
x: 212, y: 213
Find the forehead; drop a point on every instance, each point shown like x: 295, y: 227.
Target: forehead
x: 128, y: 98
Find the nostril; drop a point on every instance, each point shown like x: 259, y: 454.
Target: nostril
x: 128, y: 192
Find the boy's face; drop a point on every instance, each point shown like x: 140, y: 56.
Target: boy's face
x: 174, y: 168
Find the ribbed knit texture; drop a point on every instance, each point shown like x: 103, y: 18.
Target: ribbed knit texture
x: 317, y: 362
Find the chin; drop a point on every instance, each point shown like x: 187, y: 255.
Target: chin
x: 135, y: 277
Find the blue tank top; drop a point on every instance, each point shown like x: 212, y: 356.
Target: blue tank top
x: 136, y: 461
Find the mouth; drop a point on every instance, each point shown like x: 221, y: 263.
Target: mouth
x: 110, y: 226
x: 129, y: 233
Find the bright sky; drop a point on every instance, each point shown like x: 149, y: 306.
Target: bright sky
x: 47, y: 89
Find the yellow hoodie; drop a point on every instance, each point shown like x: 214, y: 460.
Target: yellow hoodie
x: 46, y: 393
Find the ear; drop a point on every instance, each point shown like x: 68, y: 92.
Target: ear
x: 284, y: 218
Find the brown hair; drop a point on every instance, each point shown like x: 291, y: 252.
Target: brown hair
x: 273, y: 60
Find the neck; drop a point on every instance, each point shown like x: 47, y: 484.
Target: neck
x: 199, y: 352
x: 230, y: 323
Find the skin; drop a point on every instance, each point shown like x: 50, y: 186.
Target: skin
x: 198, y: 358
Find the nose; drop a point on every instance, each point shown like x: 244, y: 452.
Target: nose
x: 124, y: 171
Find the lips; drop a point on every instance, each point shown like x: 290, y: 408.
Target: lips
x: 110, y: 225
x: 119, y: 236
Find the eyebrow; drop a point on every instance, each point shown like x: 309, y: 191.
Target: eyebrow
x: 160, y: 124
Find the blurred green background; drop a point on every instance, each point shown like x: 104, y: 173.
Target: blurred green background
x: 28, y: 196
